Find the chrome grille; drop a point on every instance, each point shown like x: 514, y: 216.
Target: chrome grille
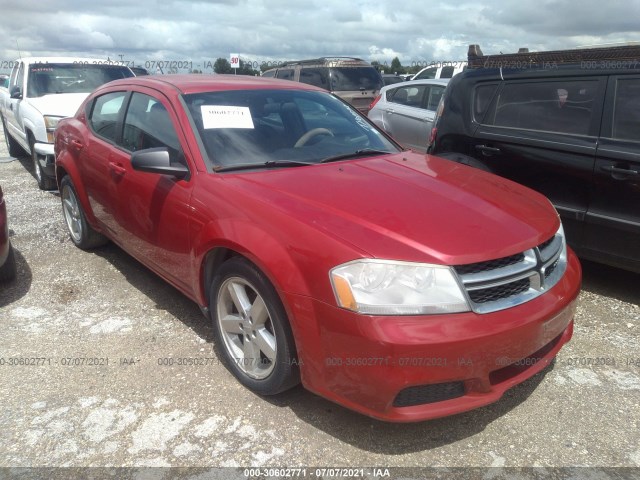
x: 509, y: 281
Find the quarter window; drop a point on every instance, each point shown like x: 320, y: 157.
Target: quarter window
x: 104, y: 114
x: 481, y: 100
x: 626, y: 116
x: 563, y: 107
x: 435, y: 94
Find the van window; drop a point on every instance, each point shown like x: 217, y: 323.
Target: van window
x: 318, y: 77
x: 626, y: 114
x: 285, y: 74
x: 558, y: 106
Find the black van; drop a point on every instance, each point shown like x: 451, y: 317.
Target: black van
x: 565, y: 123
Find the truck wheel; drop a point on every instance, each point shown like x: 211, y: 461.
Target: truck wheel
x: 44, y: 182
x: 8, y: 270
x: 81, y: 233
x: 15, y: 150
x: 251, y: 328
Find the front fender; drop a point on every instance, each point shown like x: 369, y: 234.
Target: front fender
x: 65, y: 165
x: 251, y: 241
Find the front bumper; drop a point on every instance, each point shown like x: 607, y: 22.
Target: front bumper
x: 46, y: 158
x: 416, y: 368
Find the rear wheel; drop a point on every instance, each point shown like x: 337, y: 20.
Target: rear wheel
x: 44, y: 182
x: 252, y: 328
x: 14, y: 148
x: 81, y: 233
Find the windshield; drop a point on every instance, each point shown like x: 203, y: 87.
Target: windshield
x: 355, y: 78
x: 48, y: 78
x: 243, y: 127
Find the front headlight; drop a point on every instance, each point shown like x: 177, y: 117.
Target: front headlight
x: 385, y: 287
x: 50, y: 124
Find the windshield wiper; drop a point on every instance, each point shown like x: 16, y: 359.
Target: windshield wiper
x: 358, y: 153
x: 268, y: 164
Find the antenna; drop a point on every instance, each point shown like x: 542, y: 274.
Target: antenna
x: 19, y: 52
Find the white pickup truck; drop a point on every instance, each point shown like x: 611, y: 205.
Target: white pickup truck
x: 41, y: 91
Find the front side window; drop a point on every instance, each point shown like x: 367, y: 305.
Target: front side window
x: 241, y: 128
x: 148, y: 124
x: 104, y: 114
x: 553, y: 106
x: 626, y: 116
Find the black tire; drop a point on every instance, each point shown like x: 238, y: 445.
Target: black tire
x: 259, y: 370
x: 14, y: 148
x: 8, y: 270
x: 81, y: 233
x: 44, y: 182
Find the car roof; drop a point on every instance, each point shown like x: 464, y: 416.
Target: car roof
x: 197, y: 83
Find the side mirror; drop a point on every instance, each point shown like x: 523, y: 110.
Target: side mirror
x: 157, y: 160
x: 15, y: 92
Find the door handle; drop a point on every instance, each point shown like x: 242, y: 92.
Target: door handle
x: 627, y: 172
x: 488, y: 150
x: 117, y: 168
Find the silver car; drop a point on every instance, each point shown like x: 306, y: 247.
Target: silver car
x: 406, y: 111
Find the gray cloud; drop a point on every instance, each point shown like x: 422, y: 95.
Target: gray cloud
x: 201, y: 31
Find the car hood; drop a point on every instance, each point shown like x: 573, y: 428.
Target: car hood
x: 59, y: 104
x: 409, y: 206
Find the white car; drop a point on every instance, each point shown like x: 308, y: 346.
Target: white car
x: 440, y: 70
x: 406, y: 111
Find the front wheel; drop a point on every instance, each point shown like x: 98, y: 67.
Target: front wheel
x: 81, y: 233
x: 252, y: 329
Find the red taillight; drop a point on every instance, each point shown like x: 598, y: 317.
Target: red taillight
x: 433, y: 135
x: 375, y: 100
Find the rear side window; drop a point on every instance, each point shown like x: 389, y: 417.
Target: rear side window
x: 557, y: 106
x: 410, y: 96
x: 447, y: 72
x: 285, y: 74
x: 427, y: 74
x: 626, y: 116
x: 104, y: 114
x: 318, y: 77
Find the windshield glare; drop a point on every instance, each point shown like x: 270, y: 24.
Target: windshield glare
x: 240, y: 127
x: 49, y: 78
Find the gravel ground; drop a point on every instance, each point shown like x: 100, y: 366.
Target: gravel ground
x: 67, y: 303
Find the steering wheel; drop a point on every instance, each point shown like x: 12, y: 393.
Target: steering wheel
x: 304, y: 139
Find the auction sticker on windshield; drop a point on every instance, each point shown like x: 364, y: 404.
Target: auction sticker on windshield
x: 221, y: 116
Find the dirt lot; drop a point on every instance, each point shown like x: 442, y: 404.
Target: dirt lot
x: 126, y: 409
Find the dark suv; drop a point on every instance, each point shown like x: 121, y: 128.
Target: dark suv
x: 351, y: 79
x: 565, y: 123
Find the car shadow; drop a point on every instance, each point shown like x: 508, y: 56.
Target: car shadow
x: 400, y: 438
x: 165, y: 296
x: 17, y: 288
x: 610, y: 282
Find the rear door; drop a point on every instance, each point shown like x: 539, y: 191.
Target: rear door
x: 613, y: 218
x: 543, y: 133
x: 409, y: 112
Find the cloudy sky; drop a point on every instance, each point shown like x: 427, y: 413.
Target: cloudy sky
x: 198, y: 32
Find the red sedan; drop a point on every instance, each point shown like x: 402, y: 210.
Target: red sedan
x: 400, y: 285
